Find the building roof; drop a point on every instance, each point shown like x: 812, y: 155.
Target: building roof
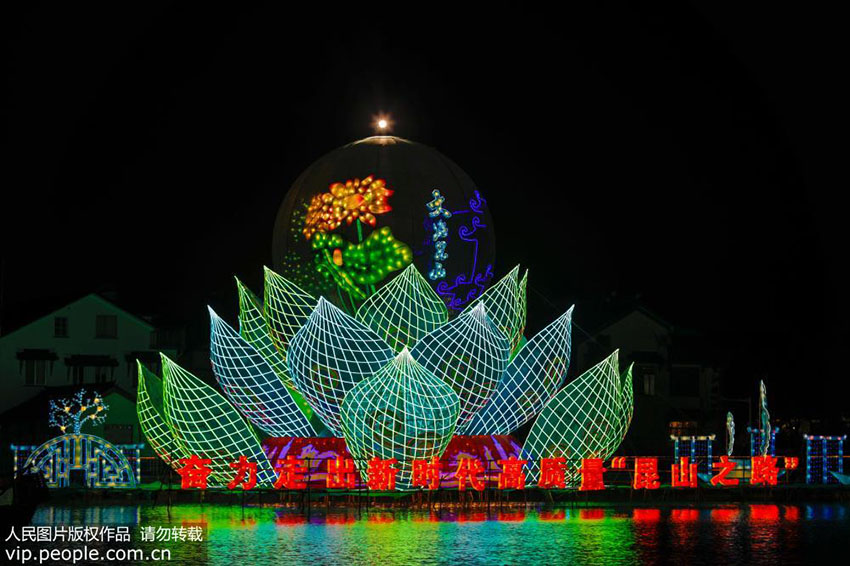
x: 55, y: 309
x: 620, y: 313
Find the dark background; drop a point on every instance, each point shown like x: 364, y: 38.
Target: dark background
x: 680, y: 154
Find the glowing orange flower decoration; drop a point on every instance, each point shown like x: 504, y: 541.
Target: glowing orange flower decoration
x: 349, y: 201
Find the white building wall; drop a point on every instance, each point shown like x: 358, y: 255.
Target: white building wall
x: 133, y: 334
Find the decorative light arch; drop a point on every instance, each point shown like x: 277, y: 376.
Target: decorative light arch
x: 103, y: 463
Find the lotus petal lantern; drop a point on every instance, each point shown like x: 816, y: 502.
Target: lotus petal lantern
x: 403, y: 412
x: 396, y: 378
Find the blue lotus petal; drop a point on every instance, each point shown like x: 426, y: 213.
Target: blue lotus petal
x: 531, y: 379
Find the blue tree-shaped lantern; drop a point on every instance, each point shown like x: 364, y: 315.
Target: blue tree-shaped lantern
x: 79, y: 410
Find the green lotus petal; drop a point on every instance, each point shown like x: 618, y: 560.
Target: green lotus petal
x: 152, y: 418
x: 206, y: 424
x: 627, y: 404
x: 404, y: 310
x: 583, y: 420
x: 403, y: 412
x: 503, y: 304
x: 287, y: 307
x: 329, y: 355
x: 523, y: 309
x: 470, y: 355
x: 254, y: 329
x: 250, y: 383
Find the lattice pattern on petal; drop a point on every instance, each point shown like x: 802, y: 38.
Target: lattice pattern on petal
x: 287, y: 308
x: 329, y: 355
x: 403, y: 412
x: 627, y: 404
x: 254, y: 329
x: 523, y: 304
x: 250, y: 383
x: 404, y: 310
x: 206, y: 424
x: 532, y: 377
x: 583, y: 420
x: 152, y: 418
x: 470, y: 354
x: 502, y: 302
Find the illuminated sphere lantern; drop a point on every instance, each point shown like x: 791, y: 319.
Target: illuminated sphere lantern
x: 382, y: 341
x: 365, y: 211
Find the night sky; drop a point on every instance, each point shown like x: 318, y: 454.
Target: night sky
x: 677, y: 154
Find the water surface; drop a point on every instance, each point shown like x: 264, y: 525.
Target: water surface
x: 717, y: 535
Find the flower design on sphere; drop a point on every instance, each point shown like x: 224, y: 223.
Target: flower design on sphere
x: 346, y: 202
x: 352, y: 266
x: 397, y: 379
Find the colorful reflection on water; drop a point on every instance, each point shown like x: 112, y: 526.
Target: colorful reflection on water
x: 763, y: 533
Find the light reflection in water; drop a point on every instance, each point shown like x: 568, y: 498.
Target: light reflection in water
x: 762, y: 533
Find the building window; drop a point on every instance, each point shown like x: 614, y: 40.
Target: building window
x: 645, y: 377
x: 78, y: 375
x: 649, y: 384
x: 35, y: 372
x: 60, y: 327
x: 106, y: 326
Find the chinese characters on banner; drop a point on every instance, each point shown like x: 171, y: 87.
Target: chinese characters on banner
x: 380, y: 475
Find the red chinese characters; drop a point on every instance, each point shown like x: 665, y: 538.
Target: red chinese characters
x: 426, y: 473
x: 725, y: 466
x: 341, y: 473
x: 553, y: 472
x: 764, y: 470
x: 646, y: 474
x: 512, y: 476
x: 469, y: 469
x: 591, y: 474
x: 243, y: 468
x: 291, y: 474
x: 684, y: 474
x: 194, y: 472
x: 381, y: 474
x: 791, y: 462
